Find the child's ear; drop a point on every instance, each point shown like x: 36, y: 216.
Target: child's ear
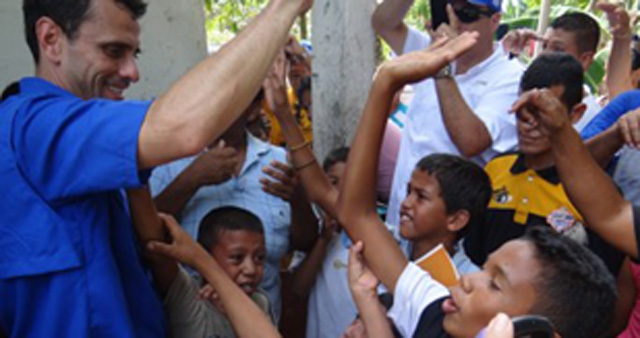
x: 458, y: 220
x: 577, y: 112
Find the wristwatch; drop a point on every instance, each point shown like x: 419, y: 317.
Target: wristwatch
x: 445, y: 72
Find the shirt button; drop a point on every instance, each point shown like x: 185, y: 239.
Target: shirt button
x: 525, y: 200
x: 530, y: 178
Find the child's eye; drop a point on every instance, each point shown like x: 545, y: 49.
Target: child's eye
x: 235, y: 258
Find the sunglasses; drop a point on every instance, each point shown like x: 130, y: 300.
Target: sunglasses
x: 469, y: 13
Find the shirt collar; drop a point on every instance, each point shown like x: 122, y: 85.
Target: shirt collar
x: 40, y: 86
x: 255, y: 150
x: 498, y: 54
x: 549, y: 174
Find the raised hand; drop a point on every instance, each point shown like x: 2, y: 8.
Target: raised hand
x: 216, y: 165
x: 516, y: 41
x: 282, y: 182
x: 275, y: 86
x: 541, y: 107
x: 618, y: 17
x: 182, y: 248
x: 362, y: 281
x: 419, y: 65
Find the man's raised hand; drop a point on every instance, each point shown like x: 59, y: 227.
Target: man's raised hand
x: 541, y: 106
x: 419, y: 65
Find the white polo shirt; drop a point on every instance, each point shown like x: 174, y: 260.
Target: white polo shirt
x: 489, y: 88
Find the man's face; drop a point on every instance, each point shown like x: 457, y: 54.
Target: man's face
x: 241, y: 254
x: 530, y: 140
x: 481, y: 19
x: 561, y: 41
x: 101, y: 59
x: 423, y: 212
x: 505, y: 284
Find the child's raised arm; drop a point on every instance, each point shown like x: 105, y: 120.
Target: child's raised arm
x: 357, y: 203
x: 589, y: 188
x: 314, y: 180
x: 245, y: 316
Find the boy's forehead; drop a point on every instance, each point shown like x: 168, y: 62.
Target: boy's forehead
x: 517, y: 262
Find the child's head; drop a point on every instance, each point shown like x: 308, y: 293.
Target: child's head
x: 445, y: 194
x: 235, y: 239
x: 335, y: 163
x: 563, y: 75
x: 540, y: 273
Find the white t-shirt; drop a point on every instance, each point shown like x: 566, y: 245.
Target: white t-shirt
x: 593, y: 108
x: 415, y: 291
x: 489, y: 88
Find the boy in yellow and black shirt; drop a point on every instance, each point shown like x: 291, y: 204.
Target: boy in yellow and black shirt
x: 526, y: 187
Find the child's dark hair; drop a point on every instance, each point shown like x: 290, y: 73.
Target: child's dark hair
x: 585, y: 28
x: 575, y: 289
x: 464, y: 185
x: 226, y: 219
x: 335, y: 156
x: 552, y: 69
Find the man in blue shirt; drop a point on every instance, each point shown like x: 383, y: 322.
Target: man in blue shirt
x: 69, y: 264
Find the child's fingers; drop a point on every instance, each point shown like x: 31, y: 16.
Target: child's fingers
x: 160, y: 248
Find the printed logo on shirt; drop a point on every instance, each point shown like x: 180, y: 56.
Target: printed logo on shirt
x: 561, y: 219
x: 502, y: 195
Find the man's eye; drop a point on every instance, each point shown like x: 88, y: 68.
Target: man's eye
x: 114, y: 52
x: 493, y: 285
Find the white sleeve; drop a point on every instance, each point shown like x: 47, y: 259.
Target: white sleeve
x: 415, y: 290
x: 415, y: 40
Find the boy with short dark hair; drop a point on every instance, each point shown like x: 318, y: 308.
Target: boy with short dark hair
x: 234, y: 238
x: 511, y: 281
x: 526, y: 187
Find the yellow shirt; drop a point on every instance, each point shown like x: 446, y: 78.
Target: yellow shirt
x: 275, y: 136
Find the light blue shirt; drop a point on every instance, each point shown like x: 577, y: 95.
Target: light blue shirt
x: 244, y: 191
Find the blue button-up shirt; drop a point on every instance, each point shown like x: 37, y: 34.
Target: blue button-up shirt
x: 69, y: 264
x: 244, y: 191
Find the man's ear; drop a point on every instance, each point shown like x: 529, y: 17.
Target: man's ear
x: 577, y: 112
x: 458, y: 220
x: 50, y: 38
x: 586, y: 59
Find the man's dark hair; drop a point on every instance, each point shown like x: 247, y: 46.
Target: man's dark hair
x: 552, y: 69
x: 335, y: 156
x: 575, y: 290
x: 68, y: 14
x: 226, y: 219
x: 464, y: 185
x: 585, y: 28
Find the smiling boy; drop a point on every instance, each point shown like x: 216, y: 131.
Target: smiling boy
x: 539, y: 274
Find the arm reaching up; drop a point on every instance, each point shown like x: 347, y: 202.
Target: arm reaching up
x: 357, y: 203
x: 589, y: 188
x: 200, y: 106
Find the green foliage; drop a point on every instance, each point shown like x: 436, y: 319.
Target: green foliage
x: 225, y: 18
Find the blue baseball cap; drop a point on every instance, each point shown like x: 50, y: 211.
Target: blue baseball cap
x: 494, y: 5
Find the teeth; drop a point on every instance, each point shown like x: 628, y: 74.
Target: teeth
x: 405, y: 218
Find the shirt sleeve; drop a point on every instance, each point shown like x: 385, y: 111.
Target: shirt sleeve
x: 68, y: 147
x: 493, y: 110
x: 185, y: 311
x: 611, y: 113
x: 415, y: 291
x: 415, y: 40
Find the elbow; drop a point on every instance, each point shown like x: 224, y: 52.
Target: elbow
x: 474, y: 146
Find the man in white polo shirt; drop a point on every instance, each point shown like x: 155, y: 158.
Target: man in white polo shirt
x: 464, y: 109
